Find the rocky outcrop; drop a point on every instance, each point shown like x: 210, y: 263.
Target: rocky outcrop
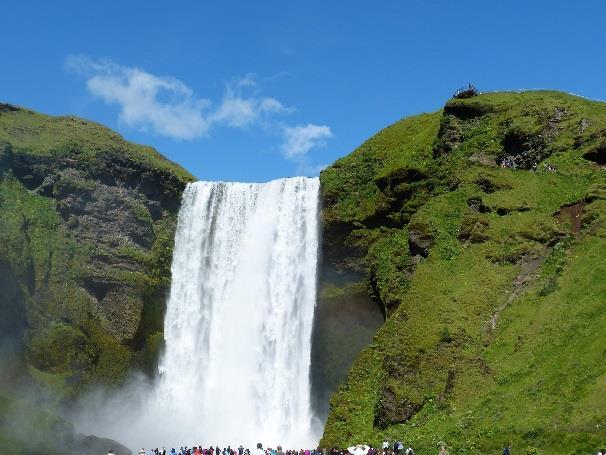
x: 393, y: 409
x: 93, y: 444
x: 420, y: 238
x: 107, y: 209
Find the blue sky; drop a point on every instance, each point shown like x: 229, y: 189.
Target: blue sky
x: 256, y: 90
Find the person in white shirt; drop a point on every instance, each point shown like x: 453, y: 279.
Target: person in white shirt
x: 385, y: 444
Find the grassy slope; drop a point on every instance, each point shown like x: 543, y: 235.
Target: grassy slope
x: 77, y: 138
x: 539, y: 379
x: 66, y: 345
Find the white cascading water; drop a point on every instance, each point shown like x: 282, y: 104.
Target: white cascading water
x: 240, y: 313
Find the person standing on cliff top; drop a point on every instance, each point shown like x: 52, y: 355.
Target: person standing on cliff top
x: 506, y: 450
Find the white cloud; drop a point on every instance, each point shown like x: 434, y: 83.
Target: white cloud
x: 300, y: 139
x: 239, y: 111
x: 246, y: 81
x: 166, y: 105
x: 272, y: 105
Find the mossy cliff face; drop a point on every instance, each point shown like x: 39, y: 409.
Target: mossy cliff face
x: 480, y: 230
x: 86, y: 237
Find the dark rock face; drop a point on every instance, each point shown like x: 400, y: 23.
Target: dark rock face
x: 524, y: 146
x: 467, y: 110
x: 110, y: 206
x: 40, y: 172
x: 456, y: 115
x: 522, y: 151
x: 449, y: 137
x: 345, y: 320
x: 598, y: 155
x: 524, y: 143
x: 393, y: 409
x: 102, y: 213
x: 12, y: 324
x: 393, y: 182
x: 473, y: 229
x: 87, y: 233
x: 12, y: 303
x: 477, y: 205
x: 4, y: 107
x: 489, y: 184
x: 94, y: 444
x: 420, y: 239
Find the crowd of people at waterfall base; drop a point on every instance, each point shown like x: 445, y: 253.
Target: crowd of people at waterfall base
x: 398, y: 448
x: 395, y: 448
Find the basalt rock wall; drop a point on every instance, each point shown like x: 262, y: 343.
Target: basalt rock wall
x: 86, y: 239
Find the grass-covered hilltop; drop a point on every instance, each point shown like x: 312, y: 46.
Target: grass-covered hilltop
x: 481, y: 230
x: 86, y: 236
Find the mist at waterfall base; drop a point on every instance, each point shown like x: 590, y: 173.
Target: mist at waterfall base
x: 238, y: 326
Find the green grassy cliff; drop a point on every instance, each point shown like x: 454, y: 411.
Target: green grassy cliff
x: 478, y: 231
x: 481, y: 233
x: 86, y: 236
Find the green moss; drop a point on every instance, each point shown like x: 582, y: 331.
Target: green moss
x: 390, y: 261
x: 495, y: 336
x: 70, y: 342
x: 77, y: 138
x: 58, y: 348
x: 350, y: 184
x: 149, y: 357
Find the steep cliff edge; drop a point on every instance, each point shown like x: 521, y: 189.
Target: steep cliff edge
x: 86, y: 237
x: 481, y: 232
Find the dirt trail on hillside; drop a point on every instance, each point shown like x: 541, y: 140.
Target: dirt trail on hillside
x: 520, y: 283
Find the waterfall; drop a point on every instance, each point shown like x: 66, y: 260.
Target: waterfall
x: 239, y: 316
